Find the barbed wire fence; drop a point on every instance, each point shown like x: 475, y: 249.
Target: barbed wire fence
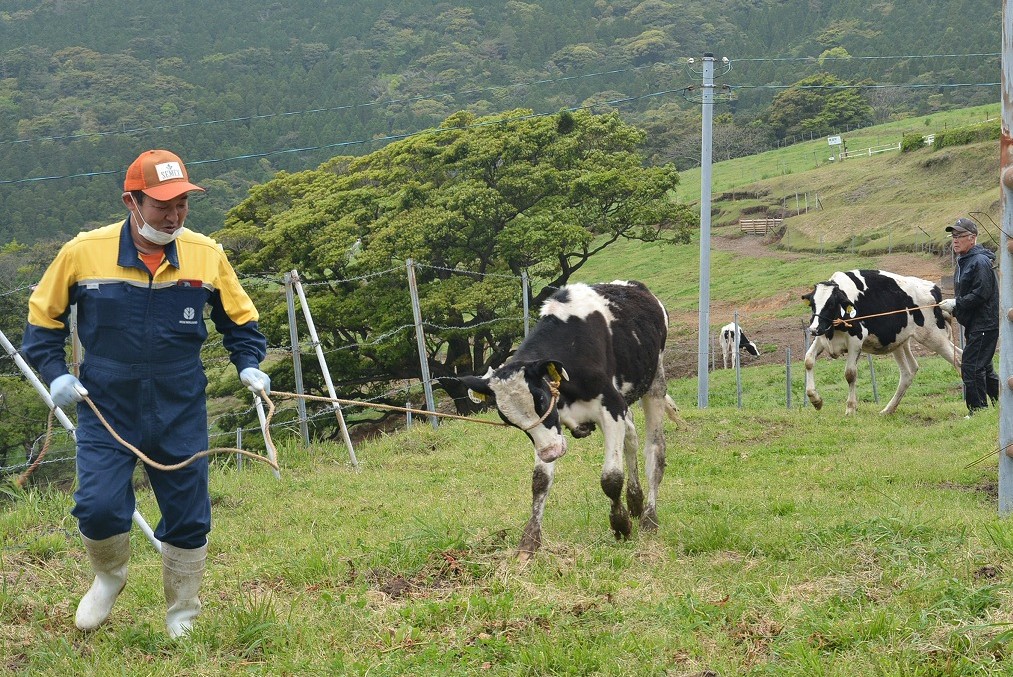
x: 292, y: 418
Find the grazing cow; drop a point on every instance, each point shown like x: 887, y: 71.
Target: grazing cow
x: 878, y: 312
x: 727, y: 338
x: 595, y: 351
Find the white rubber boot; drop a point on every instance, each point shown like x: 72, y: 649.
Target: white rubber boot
x: 109, y: 560
x: 182, y: 571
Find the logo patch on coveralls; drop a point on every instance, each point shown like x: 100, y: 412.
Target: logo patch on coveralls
x: 188, y: 314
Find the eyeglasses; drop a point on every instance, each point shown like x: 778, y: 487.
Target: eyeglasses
x: 962, y: 235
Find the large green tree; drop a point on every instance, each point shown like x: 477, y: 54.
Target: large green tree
x: 819, y: 104
x: 477, y: 203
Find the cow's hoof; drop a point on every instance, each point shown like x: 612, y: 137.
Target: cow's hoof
x: 531, y: 541
x: 635, y: 501
x: 817, y: 404
x: 649, y: 521
x: 622, y: 526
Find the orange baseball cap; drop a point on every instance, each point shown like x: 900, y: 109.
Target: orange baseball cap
x: 159, y: 174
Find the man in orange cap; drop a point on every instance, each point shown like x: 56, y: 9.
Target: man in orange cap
x: 141, y: 286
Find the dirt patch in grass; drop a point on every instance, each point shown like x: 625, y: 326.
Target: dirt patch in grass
x: 989, y: 488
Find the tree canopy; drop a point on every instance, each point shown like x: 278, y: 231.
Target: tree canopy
x: 478, y: 202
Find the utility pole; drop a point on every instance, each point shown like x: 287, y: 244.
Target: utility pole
x: 1006, y: 270
x: 703, y: 344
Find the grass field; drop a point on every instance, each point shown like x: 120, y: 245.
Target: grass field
x: 793, y: 542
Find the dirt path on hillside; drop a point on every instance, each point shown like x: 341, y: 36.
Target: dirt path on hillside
x: 758, y: 318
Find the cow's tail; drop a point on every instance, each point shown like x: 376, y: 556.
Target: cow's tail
x: 953, y: 327
x: 672, y: 411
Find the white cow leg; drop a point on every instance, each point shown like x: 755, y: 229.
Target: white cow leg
x: 810, y: 376
x: 907, y: 365
x: 654, y: 456
x: 612, y: 475
x: 851, y: 376
x: 541, y: 482
x: 631, y: 447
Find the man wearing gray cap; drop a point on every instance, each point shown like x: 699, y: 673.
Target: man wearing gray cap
x: 976, y: 307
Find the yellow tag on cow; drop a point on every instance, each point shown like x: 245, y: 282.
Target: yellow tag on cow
x: 851, y: 311
x: 477, y: 398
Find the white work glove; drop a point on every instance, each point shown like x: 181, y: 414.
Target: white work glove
x: 66, y: 390
x: 255, y: 380
x: 947, y: 305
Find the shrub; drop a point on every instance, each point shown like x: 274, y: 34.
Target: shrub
x: 988, y: 131
x: 911, y: 142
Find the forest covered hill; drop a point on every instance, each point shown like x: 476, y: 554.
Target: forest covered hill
x: 244, y: 89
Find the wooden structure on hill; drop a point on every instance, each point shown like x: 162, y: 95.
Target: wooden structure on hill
x: 759, y: 226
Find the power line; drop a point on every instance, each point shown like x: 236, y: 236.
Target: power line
x: 396, y: 137
x: 265, y: 116
x: 340, y: 144
x: 679, y: 61
x: 865, y: 58
x: 873, y: 86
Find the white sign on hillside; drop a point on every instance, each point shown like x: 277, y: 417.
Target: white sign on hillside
x: 834, y: 140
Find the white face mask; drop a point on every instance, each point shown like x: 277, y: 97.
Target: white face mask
x: 153, y: 235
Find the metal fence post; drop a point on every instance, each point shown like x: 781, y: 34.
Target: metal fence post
x: 420, y: 339
x: 787, y: 378
x: 293, y: 333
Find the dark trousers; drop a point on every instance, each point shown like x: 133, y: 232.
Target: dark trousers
x: 161, y: 410
x: 981, y: 383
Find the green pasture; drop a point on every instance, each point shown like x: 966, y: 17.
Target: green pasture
x: 883, y: 202
x: 792, y: 542
x: 805, y: 156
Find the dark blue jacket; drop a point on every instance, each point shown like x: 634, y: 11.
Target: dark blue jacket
x: 976, y: 290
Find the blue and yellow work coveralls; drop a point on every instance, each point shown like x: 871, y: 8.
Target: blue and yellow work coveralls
x: 142, y: 336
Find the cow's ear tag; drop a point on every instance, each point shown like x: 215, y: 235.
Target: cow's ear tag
x: 557, y: 375
x: 477, y: 398
x: 851, y: 311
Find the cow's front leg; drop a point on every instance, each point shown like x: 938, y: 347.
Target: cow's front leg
x: 612, y: 474
x: 810, y: 377
x: 851, y: 376
x: 541, y: 482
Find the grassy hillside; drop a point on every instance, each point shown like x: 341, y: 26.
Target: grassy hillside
x: 873, y: 202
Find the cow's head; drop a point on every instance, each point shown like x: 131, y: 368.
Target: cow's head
x: 828, y: 304
x: 523, y: 394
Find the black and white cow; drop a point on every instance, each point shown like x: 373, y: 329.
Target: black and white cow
x: 878, y: 312
x: 601, y: 346
x: 727, y: 339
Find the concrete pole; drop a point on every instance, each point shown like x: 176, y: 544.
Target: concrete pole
x: 1005, y: 269
x: 705, y: 230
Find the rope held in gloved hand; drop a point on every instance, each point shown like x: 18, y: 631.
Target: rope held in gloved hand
x: 182, y: 464
x: 141, y: 455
